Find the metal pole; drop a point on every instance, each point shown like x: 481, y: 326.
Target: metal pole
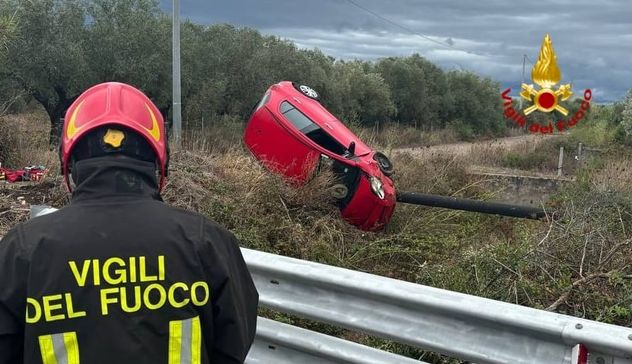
x: 524, y: 59
x: 579, y: 152
x: 467, y: 204
x: 177, y: 117
x: 560, y: 161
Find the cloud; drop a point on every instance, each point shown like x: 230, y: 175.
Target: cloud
x: 593, y: 40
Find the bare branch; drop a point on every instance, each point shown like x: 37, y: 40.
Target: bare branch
x: 574, y: 285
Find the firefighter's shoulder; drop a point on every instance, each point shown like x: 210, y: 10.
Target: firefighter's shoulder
x: 20, y: 234
x: 209, y: 229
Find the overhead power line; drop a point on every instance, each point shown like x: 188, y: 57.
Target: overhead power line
x: 449, y: 44
x: 377, y: 15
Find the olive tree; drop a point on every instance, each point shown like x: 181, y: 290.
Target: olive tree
x: 417, y: 87
x: 626, y: 115
x: 47, y: 56
x: 130, y: 41
x: 365, y: 96
x: 62, y: 47
x: 8, y: 24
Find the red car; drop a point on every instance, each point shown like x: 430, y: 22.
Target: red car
x: 291, y: 133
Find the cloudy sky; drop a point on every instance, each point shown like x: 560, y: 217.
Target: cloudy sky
x: 592, y: 39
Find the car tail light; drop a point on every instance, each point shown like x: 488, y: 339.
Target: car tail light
x: 579, y: 354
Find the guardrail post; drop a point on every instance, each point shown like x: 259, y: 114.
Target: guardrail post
x: 579, y: 152
x: 560, y: 161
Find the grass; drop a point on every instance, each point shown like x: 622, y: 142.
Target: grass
x: 394, y: 135
x: 24, y: 141
x: 578, y: 264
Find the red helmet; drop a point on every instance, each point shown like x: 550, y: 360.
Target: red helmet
x: 113, y: 103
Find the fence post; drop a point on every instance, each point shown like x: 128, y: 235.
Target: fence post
x: 560, y: 161
x: 579, y: 152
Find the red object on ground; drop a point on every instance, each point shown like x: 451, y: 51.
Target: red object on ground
x: 12, y: 175
x: 292, y: 134
x: 33, y: 173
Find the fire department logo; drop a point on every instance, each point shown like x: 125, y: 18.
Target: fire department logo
x: 546, y: 98
x: 546, y: 74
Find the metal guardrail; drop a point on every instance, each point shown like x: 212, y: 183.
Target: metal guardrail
x: 458, y: 325
x: 285, y: 344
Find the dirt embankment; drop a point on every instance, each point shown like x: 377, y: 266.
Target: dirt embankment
x: 463, y: 148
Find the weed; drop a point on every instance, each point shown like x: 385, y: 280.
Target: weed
x: 578, y: 264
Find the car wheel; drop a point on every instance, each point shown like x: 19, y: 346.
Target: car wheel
x: 339, y: 191
x: 307, y: 91
x: 386, y: 166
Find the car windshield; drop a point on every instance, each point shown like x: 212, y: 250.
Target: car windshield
x: 306, y: 126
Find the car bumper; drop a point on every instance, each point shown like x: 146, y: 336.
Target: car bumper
x: 367, y: 211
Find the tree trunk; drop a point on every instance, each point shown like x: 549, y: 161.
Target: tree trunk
x: 53, y: 138
x: 55, y: 129
x: 55, y: 113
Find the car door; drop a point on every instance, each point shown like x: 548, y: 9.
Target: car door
x: 278, y: 149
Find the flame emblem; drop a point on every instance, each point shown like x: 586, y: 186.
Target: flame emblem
x: 546, y: 74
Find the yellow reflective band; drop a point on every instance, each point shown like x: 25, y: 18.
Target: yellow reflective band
x: 59, y: 348
x: 175, y: 341
x: 72, y: 347
x: 185, y: 341
x: 47, y: 349
x: 196, y: 341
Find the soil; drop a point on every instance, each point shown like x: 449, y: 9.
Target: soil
x: 16, y: 200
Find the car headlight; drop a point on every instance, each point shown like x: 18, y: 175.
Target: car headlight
x: 377, y: 187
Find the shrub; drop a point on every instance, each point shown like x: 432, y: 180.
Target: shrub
x: 24, y: 141
x: 464, y: 130
x: 535, y: 160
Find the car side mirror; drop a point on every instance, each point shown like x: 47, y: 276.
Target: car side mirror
x: 351, y: 149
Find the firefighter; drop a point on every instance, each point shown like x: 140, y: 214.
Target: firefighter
x: 118, y: 276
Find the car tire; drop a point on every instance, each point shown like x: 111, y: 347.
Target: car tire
x: 386, y: 166
x: 307, y: 91
x: 339, y: 191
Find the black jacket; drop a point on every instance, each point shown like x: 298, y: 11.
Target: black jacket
x: 119, y: 277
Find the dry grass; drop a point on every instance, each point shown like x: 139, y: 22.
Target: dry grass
x: 579, y: 264
x: 614, y: 176
x: 536, y: 156
x: 16, y: 199
x: 438, y: 173
x: 24, y: 141
x: 233, y: 189
x: 394, y: 135
x: 214, y: 136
